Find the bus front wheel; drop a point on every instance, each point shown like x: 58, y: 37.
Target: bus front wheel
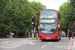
x: 59, y: 38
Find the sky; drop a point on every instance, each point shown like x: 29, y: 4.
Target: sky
x: 51, y: 4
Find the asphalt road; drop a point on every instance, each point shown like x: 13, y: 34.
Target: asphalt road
x: 33, y: 44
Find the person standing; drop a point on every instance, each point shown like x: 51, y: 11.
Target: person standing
x: 11, y: 35
x: 70, y: 33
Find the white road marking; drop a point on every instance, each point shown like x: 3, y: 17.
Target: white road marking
x: 49, y: 42
x: 60, y: 46
x: 16, y: 46
x: 44, y: 46
x: 65, y: 47
x: 31, y: 43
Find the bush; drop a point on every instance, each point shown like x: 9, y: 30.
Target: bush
x: 63, y: 36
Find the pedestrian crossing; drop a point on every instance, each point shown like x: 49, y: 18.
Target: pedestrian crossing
x: 14, y: 44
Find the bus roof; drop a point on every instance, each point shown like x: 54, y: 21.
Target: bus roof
x: 48, y: 9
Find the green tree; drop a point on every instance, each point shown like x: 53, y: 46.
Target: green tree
x: 66, y: 20
x: 72, y: 15
x: 3, y: 4
x: 37, y: 6
x: 19, y: 12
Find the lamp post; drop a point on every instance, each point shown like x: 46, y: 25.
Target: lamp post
x: 17, y: 18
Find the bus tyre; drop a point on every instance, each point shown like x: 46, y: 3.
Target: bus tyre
x: 42, y: 40
x: 59, y: 38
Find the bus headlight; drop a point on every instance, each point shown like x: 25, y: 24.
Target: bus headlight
x: 40, y: 36
x: 56, y: 36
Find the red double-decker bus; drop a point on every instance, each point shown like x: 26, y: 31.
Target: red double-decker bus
x: 49, y: 25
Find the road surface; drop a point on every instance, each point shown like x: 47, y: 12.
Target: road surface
x: 33, y: 44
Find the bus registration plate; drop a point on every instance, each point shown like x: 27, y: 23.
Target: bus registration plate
x: 48, y: 38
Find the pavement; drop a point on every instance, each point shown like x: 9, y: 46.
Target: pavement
x: 73, y: 47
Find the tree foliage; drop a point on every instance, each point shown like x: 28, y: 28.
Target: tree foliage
x: 37, y: 6
x: 64, y: 11
x: 66, y: 17
x: 73, y: 10
x: 67, y: 12
x: 15, y: 15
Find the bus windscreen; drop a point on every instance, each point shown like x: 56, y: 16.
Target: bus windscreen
x: 48, y: 28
